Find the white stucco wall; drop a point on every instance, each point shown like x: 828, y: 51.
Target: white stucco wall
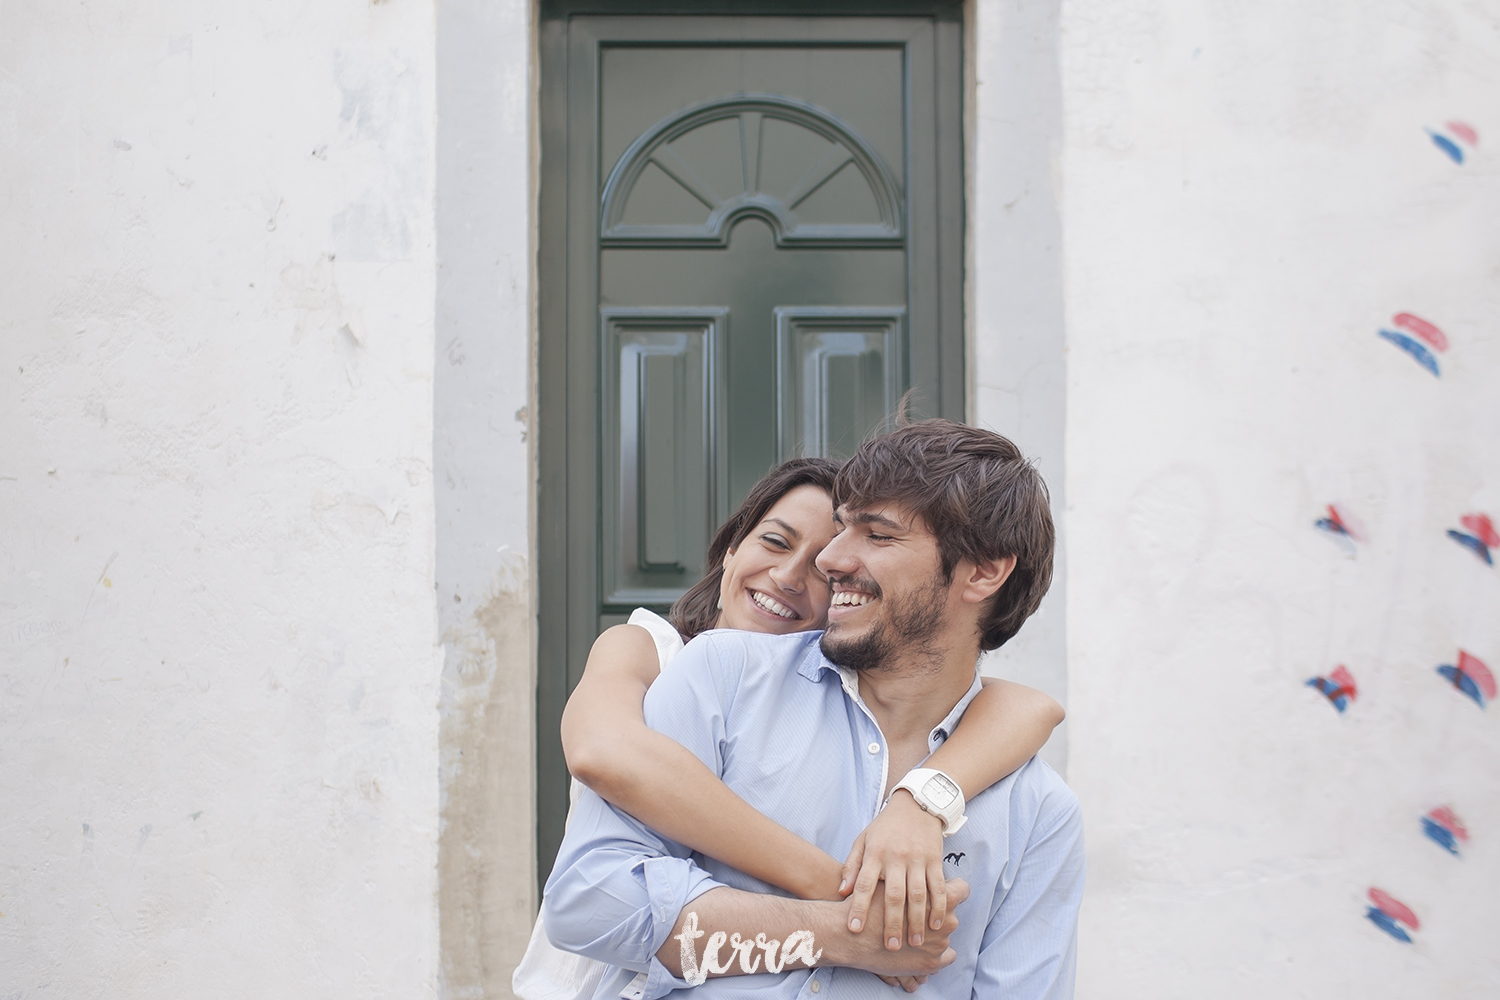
x: 218, y: 651
x: 221, y: 533
x: 484, y: 482
x: 1248, y: 197
x: 1015, y: 292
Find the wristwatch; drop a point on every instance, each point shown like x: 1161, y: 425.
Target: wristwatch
x: 938, y: 794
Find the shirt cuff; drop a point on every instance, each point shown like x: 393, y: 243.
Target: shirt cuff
x: 669, y: 892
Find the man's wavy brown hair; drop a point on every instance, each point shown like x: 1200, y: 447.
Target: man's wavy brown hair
x: 978, y: 496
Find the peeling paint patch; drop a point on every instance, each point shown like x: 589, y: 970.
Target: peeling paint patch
x: 371, y: 229
x: 486, y: 747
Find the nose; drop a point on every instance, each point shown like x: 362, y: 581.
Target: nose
x: 790, y: 574
x: 837, y: 557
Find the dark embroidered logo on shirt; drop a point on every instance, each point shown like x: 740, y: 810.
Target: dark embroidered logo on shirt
x: 954, y: 857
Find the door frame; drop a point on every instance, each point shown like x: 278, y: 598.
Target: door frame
x: 567, y: 392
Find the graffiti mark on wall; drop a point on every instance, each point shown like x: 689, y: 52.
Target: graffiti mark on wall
x: 1445, y: 829
x: 1415, y: 348
x: 1453, y: 138
x: 1338, y: 687
x: 1479, y: 536
x: 1422, y: 328
x: 1390, y: 914
x: 1419, y: 338
x: 1471, y: 677
x: 1342, y: 528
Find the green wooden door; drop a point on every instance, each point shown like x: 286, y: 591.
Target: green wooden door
x: 751, y: 247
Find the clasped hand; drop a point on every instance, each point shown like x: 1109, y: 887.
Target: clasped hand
x: 902, y: 850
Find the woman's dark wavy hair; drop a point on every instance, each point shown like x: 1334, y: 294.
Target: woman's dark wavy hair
x: 698, y: 609
x: 979, y: 497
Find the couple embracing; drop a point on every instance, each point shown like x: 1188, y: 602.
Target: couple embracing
x: 725, y: 778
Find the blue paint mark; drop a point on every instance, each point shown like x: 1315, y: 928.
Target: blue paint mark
x: 1463, y: 682
x: 1440, y: 835
x: 1415, y: 348
x: 1339, y: 534
x: 1447, y: 145
x: 1386, y: 923
x: 1473, y: 544
x: 1331, y: 690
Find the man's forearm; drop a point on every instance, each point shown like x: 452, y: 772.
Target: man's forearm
x: 728, y: 932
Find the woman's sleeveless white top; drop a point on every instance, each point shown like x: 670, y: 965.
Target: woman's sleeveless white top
x: 547, y: 972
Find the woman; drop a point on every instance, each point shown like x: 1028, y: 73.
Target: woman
x: 764, y: 578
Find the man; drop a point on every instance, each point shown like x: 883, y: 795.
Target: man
x: 945, y: 549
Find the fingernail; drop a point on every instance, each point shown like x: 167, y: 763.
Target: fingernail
x: 842, y: 884
x: 916, y: 940
x: 893, y: 943
x: 937, y: 925
x: 854, y: 925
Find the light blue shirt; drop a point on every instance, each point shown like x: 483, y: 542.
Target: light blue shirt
x: 789, y: 733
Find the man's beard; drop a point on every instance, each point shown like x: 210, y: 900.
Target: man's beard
x: 908, y: 627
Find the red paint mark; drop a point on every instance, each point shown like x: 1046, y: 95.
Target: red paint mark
x: 1350, y: 524
x: 1340, y: 675
x: 1483, y: 528
x: 1478, y: 672
x: 1387, y: 903
x: 1340, y: 520
x: 1444, y: 815
x: 1422, y: 328
x: 1464, y: 131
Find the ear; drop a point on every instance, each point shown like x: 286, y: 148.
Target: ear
x: 979, y: 581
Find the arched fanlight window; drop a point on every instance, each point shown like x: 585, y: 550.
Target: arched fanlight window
x: 689, y: 178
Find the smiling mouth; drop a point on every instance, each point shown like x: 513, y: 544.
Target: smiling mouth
x: 775, y: 607
x: 851, y: 599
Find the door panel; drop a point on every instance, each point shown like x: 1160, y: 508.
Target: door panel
x: 841, y: 374
x: 662, y: 383
x: 751, y: 247
x: 751, y: 277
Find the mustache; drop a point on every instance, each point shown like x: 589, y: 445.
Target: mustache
x: 860, y: 583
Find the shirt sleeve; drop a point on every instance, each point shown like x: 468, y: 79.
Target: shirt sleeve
x: 1030, y: 947
x: 618, y: 887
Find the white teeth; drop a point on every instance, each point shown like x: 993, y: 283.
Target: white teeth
x: 772, y: 606
x: 850, y: 599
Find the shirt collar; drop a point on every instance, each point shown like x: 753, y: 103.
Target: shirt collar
x: 814, y: 664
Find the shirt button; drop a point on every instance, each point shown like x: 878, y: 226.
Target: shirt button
x: 816, y: 986
x: 874, y: 748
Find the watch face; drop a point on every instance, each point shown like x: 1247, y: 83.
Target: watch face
x: 940, y: 791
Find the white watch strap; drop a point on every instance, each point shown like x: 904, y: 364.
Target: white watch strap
x: 936, y: 793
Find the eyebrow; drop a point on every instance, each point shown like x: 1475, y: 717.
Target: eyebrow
x: 784, y: 526
x: 867, y: 517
